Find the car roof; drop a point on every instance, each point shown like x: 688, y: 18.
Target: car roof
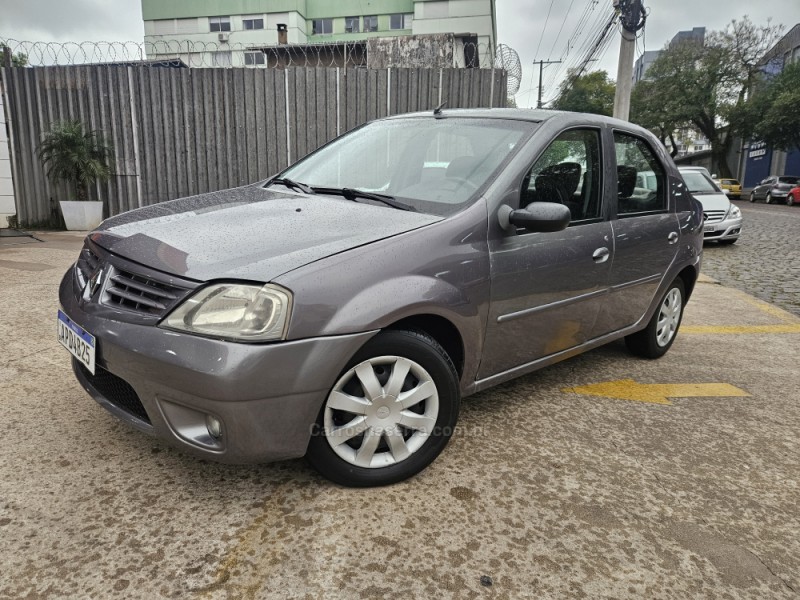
x: 532, y: 115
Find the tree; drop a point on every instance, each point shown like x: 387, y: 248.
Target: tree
x: 591, y: 93
x: 777, y: 105
x: 705, y: 86
x: 649, y: 111
x: 76, y: 156
x: 20, y: 59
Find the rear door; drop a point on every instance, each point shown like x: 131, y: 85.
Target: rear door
x: 646, y: 233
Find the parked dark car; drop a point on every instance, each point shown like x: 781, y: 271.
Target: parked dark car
x: 774, y: 189
x: 342, y: 309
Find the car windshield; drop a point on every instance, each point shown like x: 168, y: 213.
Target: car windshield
x: 433, y: 165
x: 792, y: 180
x: 699, y: 183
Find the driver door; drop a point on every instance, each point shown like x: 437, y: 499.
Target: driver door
x: 546, y: 288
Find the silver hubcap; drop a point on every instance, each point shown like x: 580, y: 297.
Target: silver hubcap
x: 669, y: 317
x: 381, y: 411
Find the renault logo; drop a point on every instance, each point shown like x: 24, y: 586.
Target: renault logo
x: 93, y: 283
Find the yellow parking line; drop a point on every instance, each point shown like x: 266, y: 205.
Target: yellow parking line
x: 655, y: 393
x: 739, y: 329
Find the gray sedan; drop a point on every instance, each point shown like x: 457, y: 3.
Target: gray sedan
x: 342, y: 309
x: 774, y: 189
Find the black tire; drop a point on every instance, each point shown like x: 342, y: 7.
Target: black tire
x: 768, y: 198
x: 752, y: 196
x: 421, y: 349
x: 727, y: 242
x: 645, y: 343
x: 789, y: 200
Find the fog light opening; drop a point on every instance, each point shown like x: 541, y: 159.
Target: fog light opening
x: 214, y: 426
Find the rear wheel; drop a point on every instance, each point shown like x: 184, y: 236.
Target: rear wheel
x: 390, y: 414
x: 654, y: 340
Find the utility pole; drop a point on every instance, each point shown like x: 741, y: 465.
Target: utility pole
x: 542, y: 64
x: 632, y: 18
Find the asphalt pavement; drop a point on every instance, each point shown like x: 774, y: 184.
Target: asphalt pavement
x: 604, y: 476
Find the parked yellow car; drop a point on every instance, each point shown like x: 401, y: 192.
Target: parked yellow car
x: 734, y: 187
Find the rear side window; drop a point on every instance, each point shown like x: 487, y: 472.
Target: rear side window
x: 641, y: 180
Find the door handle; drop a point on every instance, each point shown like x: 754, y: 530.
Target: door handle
x: 672, y: 237
x: 601, y: 255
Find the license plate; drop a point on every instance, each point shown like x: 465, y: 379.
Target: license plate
x: 77, y: 340
x: 710, y: 228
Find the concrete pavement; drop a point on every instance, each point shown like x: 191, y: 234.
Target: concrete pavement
x: 544, y: 492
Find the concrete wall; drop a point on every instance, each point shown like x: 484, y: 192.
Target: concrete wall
x: 7, y: 206
x: 178, y: 132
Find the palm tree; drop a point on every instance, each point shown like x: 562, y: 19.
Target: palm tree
x: 76, y: 156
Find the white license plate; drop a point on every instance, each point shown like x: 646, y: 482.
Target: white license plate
x: 710, y: 228
x: 77, y: 340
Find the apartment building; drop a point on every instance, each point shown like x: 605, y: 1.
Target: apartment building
x: 236, y: 32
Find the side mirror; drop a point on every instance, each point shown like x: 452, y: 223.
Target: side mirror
x: 540, y: 217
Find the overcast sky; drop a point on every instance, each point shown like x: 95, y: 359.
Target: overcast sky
x: 522, y: 24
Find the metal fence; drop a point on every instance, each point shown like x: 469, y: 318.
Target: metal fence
x: 178, y: 132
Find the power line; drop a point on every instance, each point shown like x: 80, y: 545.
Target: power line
x: 560, y: 29
x: 541, y: 37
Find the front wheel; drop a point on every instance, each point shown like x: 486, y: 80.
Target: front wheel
x: 789, y: 200
x: 752, y: 196
x: 768, y: 198
x: 654, y: 340
x: 390, y: 413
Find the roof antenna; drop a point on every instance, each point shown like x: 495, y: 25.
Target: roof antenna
x: 438, y: 110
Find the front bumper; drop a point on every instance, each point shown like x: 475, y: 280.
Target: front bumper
x: 267, y: 396
x: 728, y: 229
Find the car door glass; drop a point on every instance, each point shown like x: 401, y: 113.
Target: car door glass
x: 641, y: 186
x: 568, y: 172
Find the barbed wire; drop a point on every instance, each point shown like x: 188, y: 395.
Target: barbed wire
x: 371, y: 53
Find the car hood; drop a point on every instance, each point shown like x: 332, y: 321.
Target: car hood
x: 713, y: 201
x: 248, y: 232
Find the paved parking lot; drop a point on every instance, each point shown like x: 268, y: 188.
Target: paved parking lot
x: 546, y: 491
x: 765, y: 261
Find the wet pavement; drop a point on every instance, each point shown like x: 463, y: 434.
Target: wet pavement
x: 544, y: 492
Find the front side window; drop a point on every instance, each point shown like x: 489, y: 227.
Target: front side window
x: 352, y: 24
x: 219, y: 23
x: 436, y: 166
x: 253, y: 23
x: 254, y: 58
x: 322, y: 27
x: 371, y: 23
x: 641, y: 180
x: 569, y: 173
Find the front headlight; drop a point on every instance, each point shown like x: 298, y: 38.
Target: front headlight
x: 240, y: 312
x: 734, y: 212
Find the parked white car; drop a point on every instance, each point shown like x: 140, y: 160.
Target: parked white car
x: 723, y: 219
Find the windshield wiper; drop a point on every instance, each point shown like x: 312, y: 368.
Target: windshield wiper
x: 352, y: 194
x: 291, y: 184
